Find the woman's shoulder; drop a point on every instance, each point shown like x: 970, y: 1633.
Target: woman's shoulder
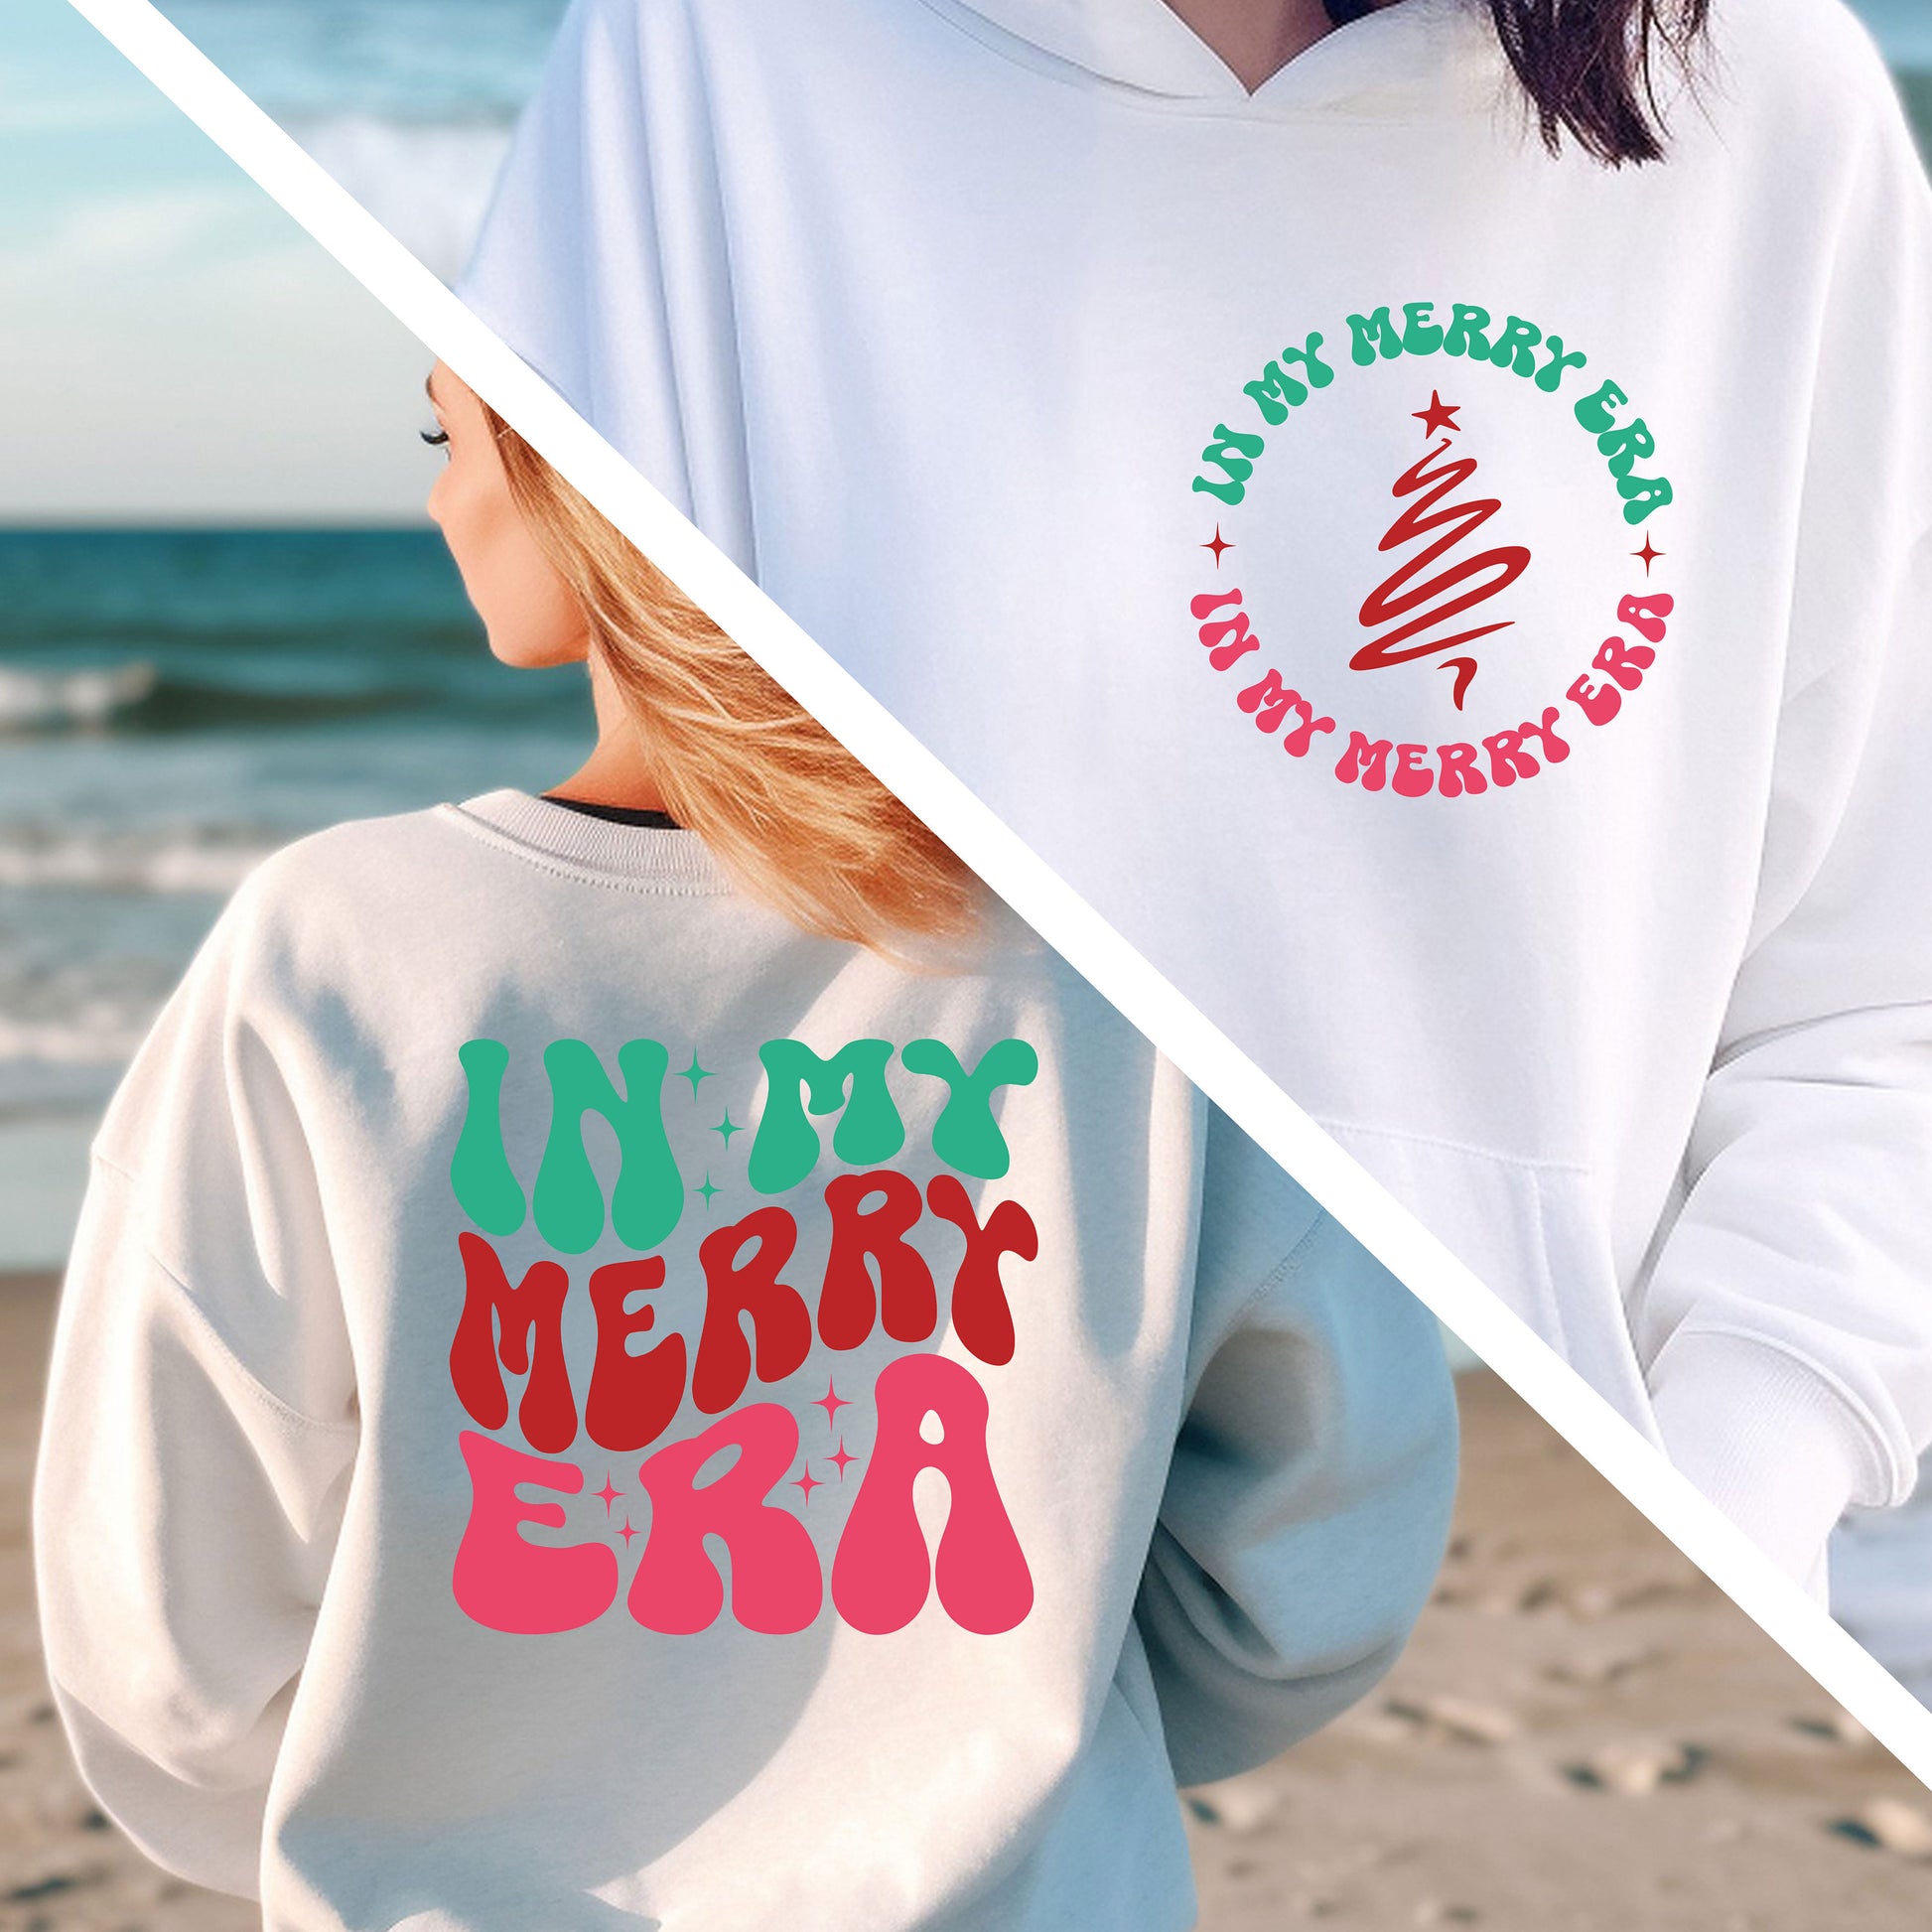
x: 372, y: 884
x: 358, y: 858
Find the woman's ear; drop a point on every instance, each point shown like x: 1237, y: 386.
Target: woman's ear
x: 528, y: 612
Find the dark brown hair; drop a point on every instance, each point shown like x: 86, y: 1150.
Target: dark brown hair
x: 1587, y: 65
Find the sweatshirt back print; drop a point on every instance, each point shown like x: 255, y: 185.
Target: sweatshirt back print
x: 1514, y: 571
x: 575, y: 1404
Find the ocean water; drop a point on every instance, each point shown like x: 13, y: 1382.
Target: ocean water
x: 173, y: 705
x: 409, y: 103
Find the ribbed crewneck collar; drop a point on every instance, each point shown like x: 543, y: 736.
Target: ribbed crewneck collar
x: 641, y: 857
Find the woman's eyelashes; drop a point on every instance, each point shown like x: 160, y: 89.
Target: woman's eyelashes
x: 435, y: 438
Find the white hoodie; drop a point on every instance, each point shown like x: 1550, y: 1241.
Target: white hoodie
x: 477, y: 1195
x: 1578, y: 876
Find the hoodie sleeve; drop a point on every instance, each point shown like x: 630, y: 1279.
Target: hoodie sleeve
x: 1787, y: 1322
x: 1308, y: 1504
x: 603, y: 260
x: 198, y: 1429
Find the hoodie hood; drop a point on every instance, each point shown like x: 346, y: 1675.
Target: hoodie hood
x: 1405, y: 55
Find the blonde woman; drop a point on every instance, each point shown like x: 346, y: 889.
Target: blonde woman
x: 645, y: 1356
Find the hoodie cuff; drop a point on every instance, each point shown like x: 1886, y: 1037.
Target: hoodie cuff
x: 1766, y: 1438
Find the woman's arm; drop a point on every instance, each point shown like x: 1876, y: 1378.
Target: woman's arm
x: 198, y: 1433
x: 1308, y: 1504
x: 1786, y: 1319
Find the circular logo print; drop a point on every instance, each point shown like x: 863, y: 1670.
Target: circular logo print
x: 1412, y: 517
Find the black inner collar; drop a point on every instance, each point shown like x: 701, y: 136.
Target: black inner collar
x: 656, y: 821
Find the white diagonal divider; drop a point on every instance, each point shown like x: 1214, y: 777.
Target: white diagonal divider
x: 994, y: 850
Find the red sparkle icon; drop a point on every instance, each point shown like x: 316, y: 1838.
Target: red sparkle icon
x: 1438, y: 415
x: 831, y: 1402
x: 1219, y: 544
x: 627, y: 1532
x: 609, y: 1494
x: 842, y: 1458
x: 807, y: 1482
x: 1647, y: 553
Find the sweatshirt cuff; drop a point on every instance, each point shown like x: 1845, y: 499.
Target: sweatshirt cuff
x: 1766, y: 1438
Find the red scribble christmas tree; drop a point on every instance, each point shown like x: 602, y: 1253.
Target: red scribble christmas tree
x: 1415, y: 607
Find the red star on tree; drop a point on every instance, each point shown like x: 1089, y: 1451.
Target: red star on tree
x: 807, y: 1482
x: 609, y: 1494
x: 627, y: 1532
x: 1219, y: 544
x: 831, y: 1402
x: 1647, y: 553
x: 1438, y: 415
x: 842, y: 1458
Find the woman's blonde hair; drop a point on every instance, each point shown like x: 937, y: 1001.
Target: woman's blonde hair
x: 786, y: 809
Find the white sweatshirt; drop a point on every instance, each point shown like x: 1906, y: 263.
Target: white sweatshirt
x: 478, y: 1192
x: 1577, y: 579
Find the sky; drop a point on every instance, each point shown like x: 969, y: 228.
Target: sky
x: 173, y: 348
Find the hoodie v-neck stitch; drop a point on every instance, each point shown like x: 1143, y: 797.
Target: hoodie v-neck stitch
x: 1286, y: 94
x: 1295, y: 59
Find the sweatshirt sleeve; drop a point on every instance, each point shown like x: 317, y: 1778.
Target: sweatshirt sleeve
x: 1307, y: 1503
x: 198, y: 1430
x: 1787, y: 1322
x: 603, y: 260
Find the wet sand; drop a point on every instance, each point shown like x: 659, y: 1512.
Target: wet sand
x: 1584, y: 1737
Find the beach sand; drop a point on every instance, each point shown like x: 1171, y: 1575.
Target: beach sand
x: 1584, y: 1737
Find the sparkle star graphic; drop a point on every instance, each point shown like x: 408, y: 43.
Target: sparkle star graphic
x: 627, y: 1532
x: 609, y: 1494
x: 1219, y: 544
x: 831, y: 1402
x: 807, y: 1482
x: 695, y: 1073
x: 842, y: 1458
x: 1647, y: 553
x: 728, y: 1127
x: 706, y: 1191
x: 1438, y: 415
